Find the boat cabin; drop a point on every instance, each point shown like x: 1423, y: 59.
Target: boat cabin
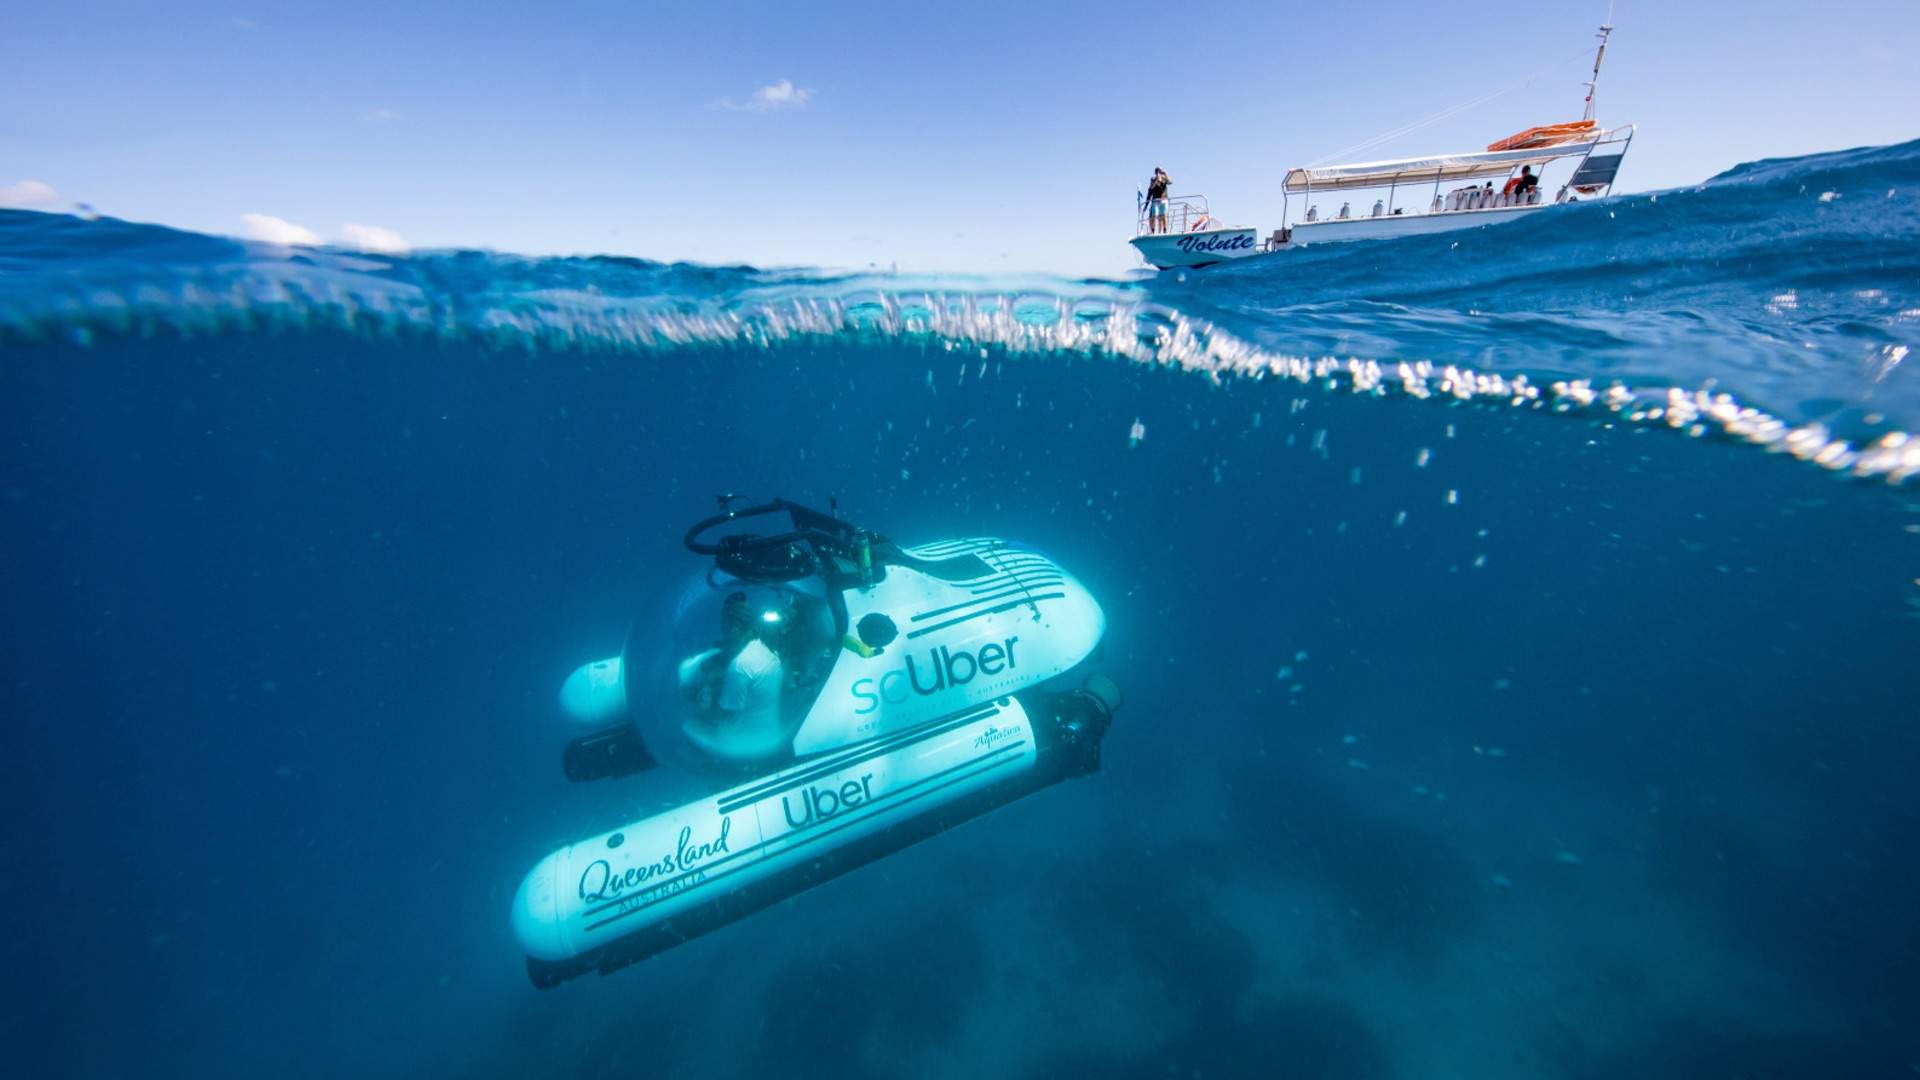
x: 1421, y: 195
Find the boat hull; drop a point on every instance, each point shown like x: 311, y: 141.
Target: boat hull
x: 1201, y: 248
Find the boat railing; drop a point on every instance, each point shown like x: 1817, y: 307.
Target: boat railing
x: 1185, y: 213
x: 1482, y: 198
x: 1458, y: 200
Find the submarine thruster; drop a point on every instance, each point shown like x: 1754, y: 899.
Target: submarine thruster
x: 842, y: 695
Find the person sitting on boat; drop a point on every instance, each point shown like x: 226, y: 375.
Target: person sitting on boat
x: 1157, y: 200
x: 1520, y: 185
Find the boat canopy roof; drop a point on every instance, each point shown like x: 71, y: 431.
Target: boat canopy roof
x: 1441, y: 167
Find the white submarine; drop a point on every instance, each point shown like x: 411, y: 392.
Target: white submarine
x: 848, y: 695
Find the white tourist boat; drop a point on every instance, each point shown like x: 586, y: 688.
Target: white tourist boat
x: 1412, y: 196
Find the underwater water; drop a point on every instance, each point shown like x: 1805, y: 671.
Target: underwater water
x: 1478, y: 724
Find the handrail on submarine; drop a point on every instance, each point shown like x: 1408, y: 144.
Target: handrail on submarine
x: 780, y: 557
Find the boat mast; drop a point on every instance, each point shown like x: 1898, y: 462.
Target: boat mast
x: 1600, y: 54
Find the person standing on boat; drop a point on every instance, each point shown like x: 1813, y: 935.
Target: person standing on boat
x: 1157, y: 200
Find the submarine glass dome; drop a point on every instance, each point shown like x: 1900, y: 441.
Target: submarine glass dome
x: 743, y: 664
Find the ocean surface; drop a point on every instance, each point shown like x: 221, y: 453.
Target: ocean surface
x: 1520, y: 631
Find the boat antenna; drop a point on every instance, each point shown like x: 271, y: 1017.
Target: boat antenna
x: 1606, y: 29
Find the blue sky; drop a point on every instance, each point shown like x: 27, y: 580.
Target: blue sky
x: 982, y: 137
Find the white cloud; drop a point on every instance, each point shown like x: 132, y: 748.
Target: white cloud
x: 374, y: 238
x: 243, y: 24
x: 29, y: 195
x: 277, y: 231
x: 780, y: 95
x: 381, y: 116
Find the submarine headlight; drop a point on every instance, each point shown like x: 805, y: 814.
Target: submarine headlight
x: 770, y: 616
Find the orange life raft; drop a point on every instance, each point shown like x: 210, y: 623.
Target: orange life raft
x: 1545, y: 135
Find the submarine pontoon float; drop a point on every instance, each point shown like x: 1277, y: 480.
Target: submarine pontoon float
x: 839, y: 696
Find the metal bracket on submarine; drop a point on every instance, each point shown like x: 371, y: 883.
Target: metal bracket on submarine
x: 875, y: 695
